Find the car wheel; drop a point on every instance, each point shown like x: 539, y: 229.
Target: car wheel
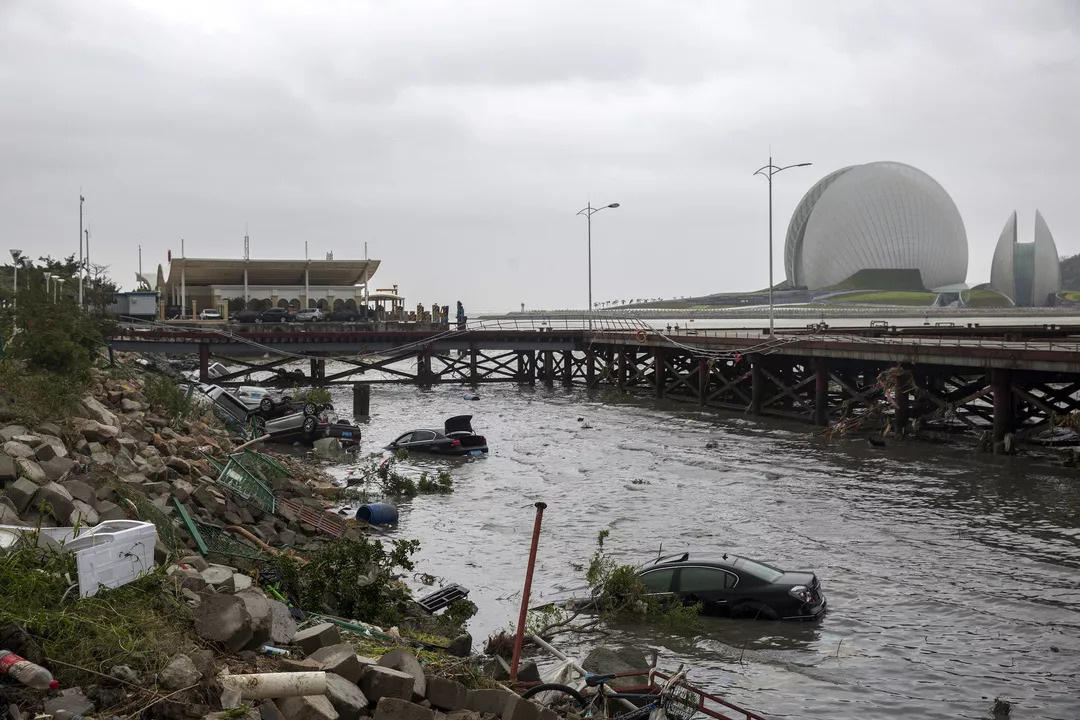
x: 754, y: 611
x: 258, y: 425
x: 266, y: 404
x: 258, y: 321
x: 310, y: 424
x: 310, y: 409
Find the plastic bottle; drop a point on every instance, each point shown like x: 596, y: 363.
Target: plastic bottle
x: 28, y: 673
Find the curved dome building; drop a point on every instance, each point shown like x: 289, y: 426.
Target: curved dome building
x: 1029, y: 274
x: 882, y: 216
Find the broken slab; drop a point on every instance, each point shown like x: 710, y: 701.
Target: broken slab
x: 309, y: 707
x: 223, y: 619
x: 317, y: 636
x: 339, y: 659
x: 379, y: 682
x: 347, y: 698
x: 396, y: 709
x: 446, y: 694
x: 405, y: 661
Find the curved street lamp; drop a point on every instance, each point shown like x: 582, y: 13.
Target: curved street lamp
x: 54, y: 278
x: 588, y: 211
x: 767, y: 172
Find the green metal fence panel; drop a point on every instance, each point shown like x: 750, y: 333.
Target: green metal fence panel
x: 243, y: 483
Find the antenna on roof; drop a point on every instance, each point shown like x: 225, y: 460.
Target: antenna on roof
x: 658, y: 551
x: 247, y: 243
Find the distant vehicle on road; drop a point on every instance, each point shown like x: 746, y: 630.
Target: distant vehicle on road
x: 275, y: 315
x: 209, y: 314
x: 310, y: 315
x: 456, y: 438
x: 245, y: 316
x: 736, y: 586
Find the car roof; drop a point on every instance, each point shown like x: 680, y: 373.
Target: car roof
x: 729, y: 560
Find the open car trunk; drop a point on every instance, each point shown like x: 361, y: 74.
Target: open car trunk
x: 458, y: 426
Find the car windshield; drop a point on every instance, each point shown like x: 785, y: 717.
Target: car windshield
x: 759, y: 570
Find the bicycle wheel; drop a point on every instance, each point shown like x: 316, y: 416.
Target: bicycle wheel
x: 559, y: 694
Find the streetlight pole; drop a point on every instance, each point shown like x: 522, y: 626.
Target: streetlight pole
x: 588, y: 211
x: 81, y: 268
x: 767, y: 172
x: 15, y: 255
x: 55, y: 278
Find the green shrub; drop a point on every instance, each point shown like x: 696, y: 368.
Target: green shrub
x: 168, y: 399
x: 353, y: 579
x: 34, y: 396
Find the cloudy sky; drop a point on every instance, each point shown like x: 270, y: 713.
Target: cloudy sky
x: 459, y: 139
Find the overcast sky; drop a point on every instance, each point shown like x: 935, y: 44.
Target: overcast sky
x: 459, y: 139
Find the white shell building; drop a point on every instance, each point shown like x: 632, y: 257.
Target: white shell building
x: 877, y: 216
x: 1029, y: 274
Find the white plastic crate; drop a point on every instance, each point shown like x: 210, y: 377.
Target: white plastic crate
x: 109, y: 554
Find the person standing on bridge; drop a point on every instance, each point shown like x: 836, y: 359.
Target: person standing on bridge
x: 461, y: 318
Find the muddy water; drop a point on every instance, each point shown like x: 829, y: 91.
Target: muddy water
x: 952, y: 579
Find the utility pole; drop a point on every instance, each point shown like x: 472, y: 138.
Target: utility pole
x: 82, y: 267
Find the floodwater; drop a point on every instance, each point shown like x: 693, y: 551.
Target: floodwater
x: 952, y: 578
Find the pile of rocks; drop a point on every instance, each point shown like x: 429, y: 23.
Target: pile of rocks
x: 114, y: 452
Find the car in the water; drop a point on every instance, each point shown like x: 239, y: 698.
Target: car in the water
x: 736, y: 586
x: 456, y: 438
x: 284, y: 423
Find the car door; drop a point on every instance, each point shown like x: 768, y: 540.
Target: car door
x: 403, y: 441
x: 422, y: 440
x: 711, y: 586
x: 658, y: 582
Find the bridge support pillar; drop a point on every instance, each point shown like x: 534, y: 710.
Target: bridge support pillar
x: 757, y: 385
x: 590, y: 368
x: 621, y: 370
x: 549, y: 368
x: 530, y: 366
x: 204, y: 362
x: 903, y: 406
x: 703, y: 381
x: 423, y: 368
x: 1001, y: 382
x: 474, y: 374
x: 659, y: 372
x: 567, y: 368
x: 361, y: 400
x: 821, y: 392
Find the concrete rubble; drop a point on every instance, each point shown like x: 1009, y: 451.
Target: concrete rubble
x: 115, y: 459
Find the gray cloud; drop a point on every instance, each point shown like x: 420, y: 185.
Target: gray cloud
x: 459, y: 139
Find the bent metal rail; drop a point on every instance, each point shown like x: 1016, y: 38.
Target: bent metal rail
x: 1018, y: 383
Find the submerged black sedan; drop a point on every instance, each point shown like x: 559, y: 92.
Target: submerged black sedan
x: 736, y: 586
x: 456, y: 438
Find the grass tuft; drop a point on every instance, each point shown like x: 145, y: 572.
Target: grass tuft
x: 139, y: 625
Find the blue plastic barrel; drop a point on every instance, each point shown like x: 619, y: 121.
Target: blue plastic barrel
x: 377, y: 514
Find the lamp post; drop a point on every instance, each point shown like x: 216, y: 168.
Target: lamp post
x: 54, y: 284
x: 767, y: 172
x: 15, y: 255
x: 588, y: 211
x: 61, y: 282
x: 81, y: 266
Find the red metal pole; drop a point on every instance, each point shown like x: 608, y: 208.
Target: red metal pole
x: 519, y: 636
